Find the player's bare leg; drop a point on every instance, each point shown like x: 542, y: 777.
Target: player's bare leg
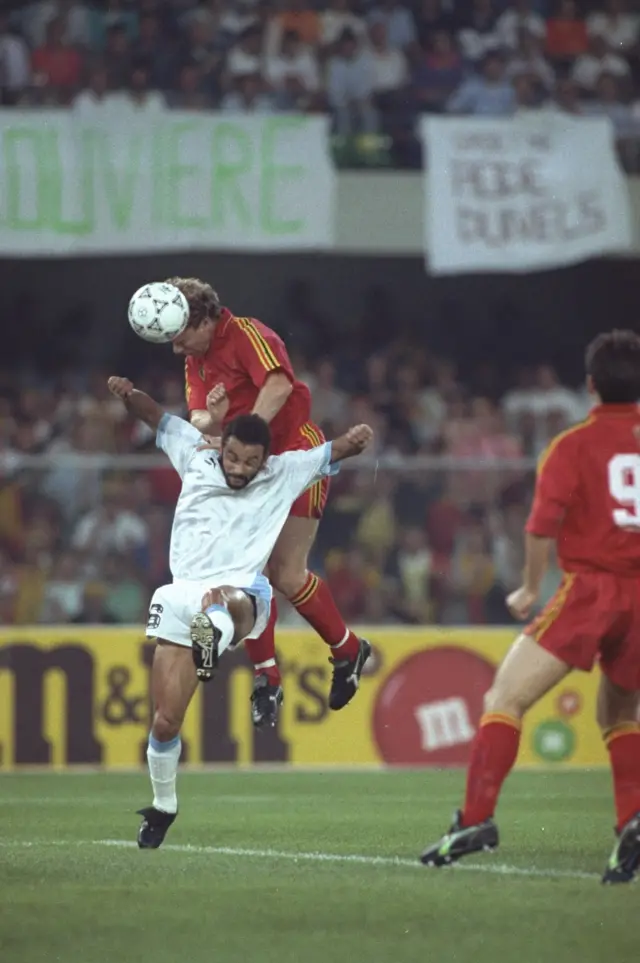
x: 527, y: 673
x: 173, y: 682
x: 311, y: 597
x: 618, y: 714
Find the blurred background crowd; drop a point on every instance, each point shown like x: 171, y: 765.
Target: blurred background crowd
x: 429, y: 529
x: 373, y: 65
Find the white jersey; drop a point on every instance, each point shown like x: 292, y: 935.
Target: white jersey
x: 221, y: 534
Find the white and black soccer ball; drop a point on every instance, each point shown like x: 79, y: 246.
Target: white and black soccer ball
x: 158, y: 312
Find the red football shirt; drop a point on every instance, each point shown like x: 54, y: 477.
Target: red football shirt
x: 242, y: 354
x: 587, y: 493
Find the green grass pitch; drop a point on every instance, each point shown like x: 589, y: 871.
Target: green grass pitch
x: 298, y: 867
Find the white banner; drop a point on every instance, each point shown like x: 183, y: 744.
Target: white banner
x: 170, y: 182
x: 522, y: 194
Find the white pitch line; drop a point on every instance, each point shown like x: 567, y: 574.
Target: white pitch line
x: 498, y: 869
x: 495, y: 869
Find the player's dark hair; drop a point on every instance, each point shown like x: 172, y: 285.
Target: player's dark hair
x: 613, y: 362
x: 249, y: 430
x: 203, y: 301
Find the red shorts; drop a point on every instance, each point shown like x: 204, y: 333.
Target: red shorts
x: 594, y: 616
x: 311, y: 503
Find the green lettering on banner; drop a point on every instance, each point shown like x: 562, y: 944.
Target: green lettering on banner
x: 226, y: 190
x: 275, y: 177
x: 15, y: 181
x: 120, y: 188
x: 56, y: 175
x: 177, y: 173
x: 157, y: 177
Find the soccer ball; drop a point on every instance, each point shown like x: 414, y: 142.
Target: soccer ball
x: 158, y: 312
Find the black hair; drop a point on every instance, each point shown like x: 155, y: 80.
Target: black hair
x: 613, y: 362
x: 249, y: 430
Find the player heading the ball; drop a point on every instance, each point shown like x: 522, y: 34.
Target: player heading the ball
x: 231, y: 509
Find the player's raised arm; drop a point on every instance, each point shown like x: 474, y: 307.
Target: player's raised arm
x: 137, y: 403
x: 353, y: 442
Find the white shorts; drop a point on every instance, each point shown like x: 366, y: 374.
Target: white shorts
x: 173, y: 606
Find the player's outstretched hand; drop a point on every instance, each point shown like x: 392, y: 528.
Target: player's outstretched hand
x: 359, y: 437
x: 520, y: 603
x: 120, y: 387
x: 218, y: 402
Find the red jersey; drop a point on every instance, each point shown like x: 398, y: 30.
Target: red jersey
x: 242, y: 354
x: 587, y: 493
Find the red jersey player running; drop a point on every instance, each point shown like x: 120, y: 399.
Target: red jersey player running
x: 238, y: 366
x: 587, y: 501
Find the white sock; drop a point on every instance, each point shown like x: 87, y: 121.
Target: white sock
x: 220, y: 617
x: 163, y: 768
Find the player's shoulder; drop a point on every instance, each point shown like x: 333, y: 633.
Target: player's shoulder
x: 251, y: 327
x: 566, y: 442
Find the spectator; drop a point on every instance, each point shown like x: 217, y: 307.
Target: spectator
x: 350, y: 580
x: 566, y: 33
x: 94, y: 610
x: 206, y: 48
x: 409, y: 571
x: 329, y: 403
x: 56, y: 64
x: 437, y: 73
x: 616, y: 26
x: 479, y: 35
x: 389, y: 70
x: 109, y: 528
x: 518, y: 19
x: 609, y: 103
x: 350, y: 88
x: 117, y: 57
x: 589, y: 67
x: 529, y: 93
x: 37, y: 17
x: 101, y: 19
x: 293, y: 74
x: 15, y: 68
x: 236, y: 16
x: 486, y: 93
x: 337, y: 18
x: 248, y: 96
x: 472, y: 577
x: 64, y: 592
x: 154, y: 49
x: 245, y: 57
x: 192, y: 93
x: 376, y: 528
x: 125, y: 599
x: 432, y: 19
x: 297, y: 16
x: 96, y: 95
x: 140, y: 94
x: 398, y: 20
x: 529, y: 61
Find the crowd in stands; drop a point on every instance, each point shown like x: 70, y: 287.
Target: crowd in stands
x: 86, y: 541
x: 374, y: 65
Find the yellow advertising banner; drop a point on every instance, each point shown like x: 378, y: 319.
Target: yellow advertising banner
x: 80, y: 695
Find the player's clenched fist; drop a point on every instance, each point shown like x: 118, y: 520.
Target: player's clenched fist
x: 359, y: 437
x: 520, y: 603
x: 218, y: 402
x: 120, y: 387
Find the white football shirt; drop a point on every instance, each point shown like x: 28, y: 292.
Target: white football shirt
x: 220, y: 534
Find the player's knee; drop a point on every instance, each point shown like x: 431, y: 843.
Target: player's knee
x: 166, y: 725
x: 286, y: 578
x: 214, y: 596
x: 498, y: 699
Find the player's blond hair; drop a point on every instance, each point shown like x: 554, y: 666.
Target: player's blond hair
x: 203, y: 301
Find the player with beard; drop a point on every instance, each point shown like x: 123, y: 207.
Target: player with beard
x: 231, y: 510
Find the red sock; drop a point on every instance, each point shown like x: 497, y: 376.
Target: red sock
x: 262, y: 651
x: 623, y: 743
x: 315, y: 603
x: 493, y: 754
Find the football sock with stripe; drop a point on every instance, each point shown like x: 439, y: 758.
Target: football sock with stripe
x: 623, y: 744
x: 262, y: 651
x: 163, y: 758
x: 315, y: 603
x: 493, y: 754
